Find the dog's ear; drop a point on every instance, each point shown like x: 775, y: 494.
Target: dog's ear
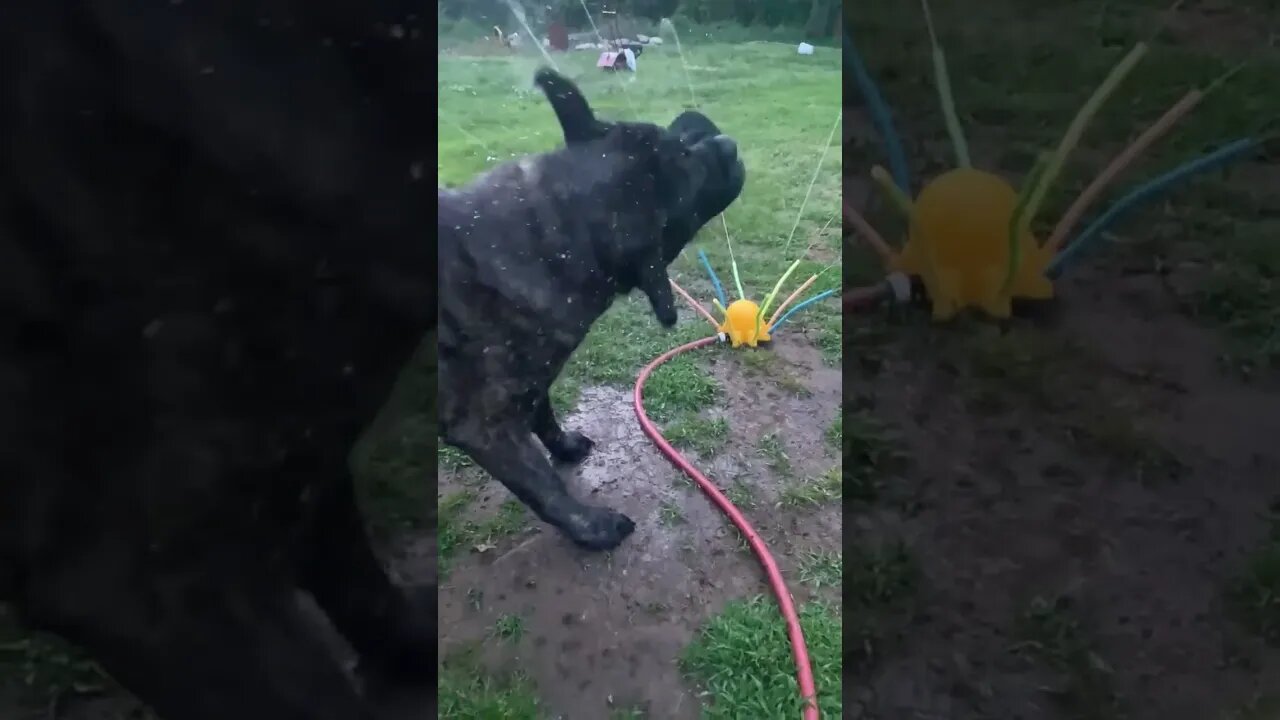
x: 576, y: 118
x: 693, y: 127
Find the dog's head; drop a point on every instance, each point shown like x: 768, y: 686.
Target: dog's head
x: 694, y: 168
x: 724, y: 186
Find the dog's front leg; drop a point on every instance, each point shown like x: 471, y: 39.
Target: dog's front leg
x: 507, y: 451
x: 565, y: 446
x: 197, y: 645
x: 393, y: 630
x: 656, y: 285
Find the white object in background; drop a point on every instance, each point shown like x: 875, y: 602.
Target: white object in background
x: 631, y: 59
x: 655, y: 41
x: 805, y: 49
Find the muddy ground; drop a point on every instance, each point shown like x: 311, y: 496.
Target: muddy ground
x: 602, y: 633
x: 1085, y: 488
x: 1111, y: 513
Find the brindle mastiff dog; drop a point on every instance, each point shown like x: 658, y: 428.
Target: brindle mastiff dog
x: 214, y: 264
x: 531, y: 254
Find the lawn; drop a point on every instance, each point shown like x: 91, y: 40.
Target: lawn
x: 671, y: 624
x: 1086, y: 498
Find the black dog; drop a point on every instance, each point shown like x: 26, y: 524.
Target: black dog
x: 531, y: 254
x: 214, y: 263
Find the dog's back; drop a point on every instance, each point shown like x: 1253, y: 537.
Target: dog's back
x: 530, y: 255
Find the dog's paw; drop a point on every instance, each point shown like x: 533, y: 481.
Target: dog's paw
x: 406, y: 654
x: 600, y: 529
x: 667, y: 317
x: 572, y: 447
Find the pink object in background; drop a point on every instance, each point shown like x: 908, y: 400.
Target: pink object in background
x: 619, y: 60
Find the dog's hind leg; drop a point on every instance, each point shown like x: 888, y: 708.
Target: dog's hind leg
x: 392, y: 629
x: 507, y: 451
x: 565, y: 446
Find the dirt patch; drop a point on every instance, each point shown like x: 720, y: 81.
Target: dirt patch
x: 1082, y: 490
x: 1012, y: 507
x: 603, y: 633
x: 1222, y: 27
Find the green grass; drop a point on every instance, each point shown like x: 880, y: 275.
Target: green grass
x: 1053, y: 635
x: 775, y: 455
x: 835, y: 432
x: 879, y: 583
x: 459, y: 530
x: 450, y: 458
x: 740, y: 494
x: 669, y: 514
x: 825, y: 488
x: 468, y: 692
x: 1263, y: 705
x: 396, y: 462
x: 1256, y: 592
x: 742, y: 659
x: 509, y: 627
x: 880, y: 575
x: 820, y: 568
x: 766, y: 365
x: 45, y: 669
x: 870, y: 454
x: 700, y: 435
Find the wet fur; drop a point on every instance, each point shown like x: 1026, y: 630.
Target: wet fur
x: 214, y: 263
x: 531, y: 254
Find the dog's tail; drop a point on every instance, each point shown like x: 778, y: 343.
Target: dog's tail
x: 576, y: 117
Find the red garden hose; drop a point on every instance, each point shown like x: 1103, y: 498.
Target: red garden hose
x: 804, y: 674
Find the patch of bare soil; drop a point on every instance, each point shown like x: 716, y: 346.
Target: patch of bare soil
x: 605, y: 631
x: 1222, y: 27
x: 1081, y: 491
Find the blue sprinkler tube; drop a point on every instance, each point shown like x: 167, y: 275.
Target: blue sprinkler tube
x: 1152, y: 188
x: 799, y: 307
x: 880, y: 114
x: 715, y: 280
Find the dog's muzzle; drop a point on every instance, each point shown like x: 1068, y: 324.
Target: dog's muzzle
x: 730, y: 164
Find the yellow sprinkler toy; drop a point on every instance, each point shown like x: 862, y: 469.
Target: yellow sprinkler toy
x: 742, y: 323
x: 743, y: 320
x: 969, y: 232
